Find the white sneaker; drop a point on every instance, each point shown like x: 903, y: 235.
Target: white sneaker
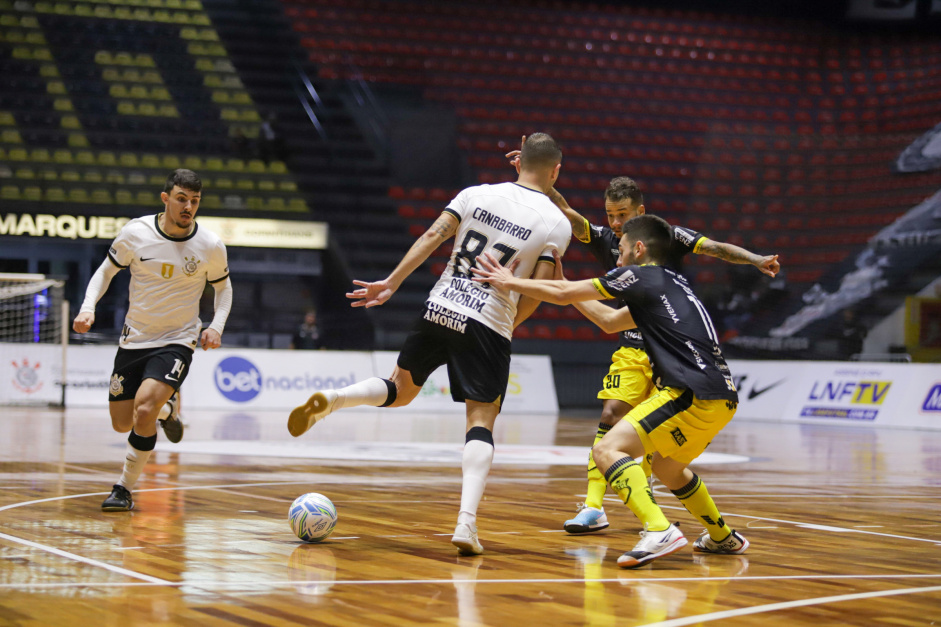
x: 653, y: 544
x: 734, y: 544
x: 318, y: 406
x: 465, y: 539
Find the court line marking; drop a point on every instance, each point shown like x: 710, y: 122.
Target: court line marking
x: 278, y: 483
x: 85, y: 560
x: 203, y: 583
x: 786, y: 605
x: 807, y: 525
x: 179, y: 487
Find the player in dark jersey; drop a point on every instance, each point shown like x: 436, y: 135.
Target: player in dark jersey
x: 628, y: 381
x: 695, y: 395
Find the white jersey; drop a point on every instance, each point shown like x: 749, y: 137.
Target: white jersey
x: 168, y: 276
x: 511, y: 222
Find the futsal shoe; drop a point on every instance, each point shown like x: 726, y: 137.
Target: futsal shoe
x: 653, y: 544
x: 318, y: 406
x: 465, y: 539
x: 587, y: 520
x: 734, y: 544
x: 172, y: 425
x: 119, y: 501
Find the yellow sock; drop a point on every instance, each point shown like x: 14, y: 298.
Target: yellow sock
x: 597, y: 486
x: 645, y: 464
x: 627, y: 478
x: 695, y: 498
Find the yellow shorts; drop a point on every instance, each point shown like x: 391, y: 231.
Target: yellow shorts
x: 629, y: 379
x: 678, y: 425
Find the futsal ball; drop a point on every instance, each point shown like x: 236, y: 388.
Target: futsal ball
x: 312, y: 517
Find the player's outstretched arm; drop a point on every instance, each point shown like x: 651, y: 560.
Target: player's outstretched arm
x: 376, y: 293
x: 607, y: 319
x: 489, y: 270
x: 97, y: 286
x: 767, y: 264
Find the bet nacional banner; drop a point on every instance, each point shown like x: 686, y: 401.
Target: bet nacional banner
x: 835, y: 393
x: 282, y: 379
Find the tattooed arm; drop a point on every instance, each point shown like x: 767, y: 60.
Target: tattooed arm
x: 378, y: 292
x: 768, y: 264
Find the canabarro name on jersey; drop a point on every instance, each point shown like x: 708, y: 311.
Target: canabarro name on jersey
x: 467, y: 293
x: 501, y: 224
x: 446, y: 318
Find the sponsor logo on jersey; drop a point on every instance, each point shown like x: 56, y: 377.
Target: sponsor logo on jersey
x: 26, y: 377
x: 696, y: 356
x: 166, y: 271
x: 669, y: 308
x: 933, y: 400
x: 466, y: 293
x: 191, y: 265
x: 846, y: 399
x: 240, y: 380
x: 621, y: 280
x: 117, y: 385
x: 683, y: 235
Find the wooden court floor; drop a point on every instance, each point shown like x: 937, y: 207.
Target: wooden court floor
x: 844, y: 524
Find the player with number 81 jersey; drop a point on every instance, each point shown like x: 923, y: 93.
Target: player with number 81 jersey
x: 511, y: 222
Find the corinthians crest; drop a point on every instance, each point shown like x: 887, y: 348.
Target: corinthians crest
x: 117, y: 384
x: 191, y: 265
x: 26, y: 377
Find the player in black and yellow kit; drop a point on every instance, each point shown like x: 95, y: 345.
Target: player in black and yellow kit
x: 695, y: 395
x: 629, y: 380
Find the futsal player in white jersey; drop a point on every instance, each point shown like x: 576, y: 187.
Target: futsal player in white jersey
x: 170, y: 259
x: 466, y: 325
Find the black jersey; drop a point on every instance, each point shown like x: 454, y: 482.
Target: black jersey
x: 603, y: 244
x: 680, y: 339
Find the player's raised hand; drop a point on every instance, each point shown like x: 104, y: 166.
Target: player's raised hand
x: 83, y: 322
x: 514, y: 156
x: 489, y: 270
x: 769, y: 265
x: 370, y: 294
x: 210, y: 339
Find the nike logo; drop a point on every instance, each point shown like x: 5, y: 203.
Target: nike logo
x: 147, y: 259
x: 169, y: 378
x: 757, y: 391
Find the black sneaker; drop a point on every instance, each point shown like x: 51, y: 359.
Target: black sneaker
x: 172, y: 425
x: 119, y: 501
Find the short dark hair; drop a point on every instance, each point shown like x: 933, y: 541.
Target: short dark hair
x: 653, y: 231
x: 184, y: 179
x: 540, y: 151
x: 624, y: 188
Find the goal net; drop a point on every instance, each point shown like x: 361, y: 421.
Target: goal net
x: 33, y: 339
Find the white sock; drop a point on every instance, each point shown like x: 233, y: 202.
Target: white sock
x: 475, y: 463
x: 134, y: 463
x: 372, y: 391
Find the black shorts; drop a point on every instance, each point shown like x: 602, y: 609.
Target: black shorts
x: 169, y: 364
x: 478, y: 357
